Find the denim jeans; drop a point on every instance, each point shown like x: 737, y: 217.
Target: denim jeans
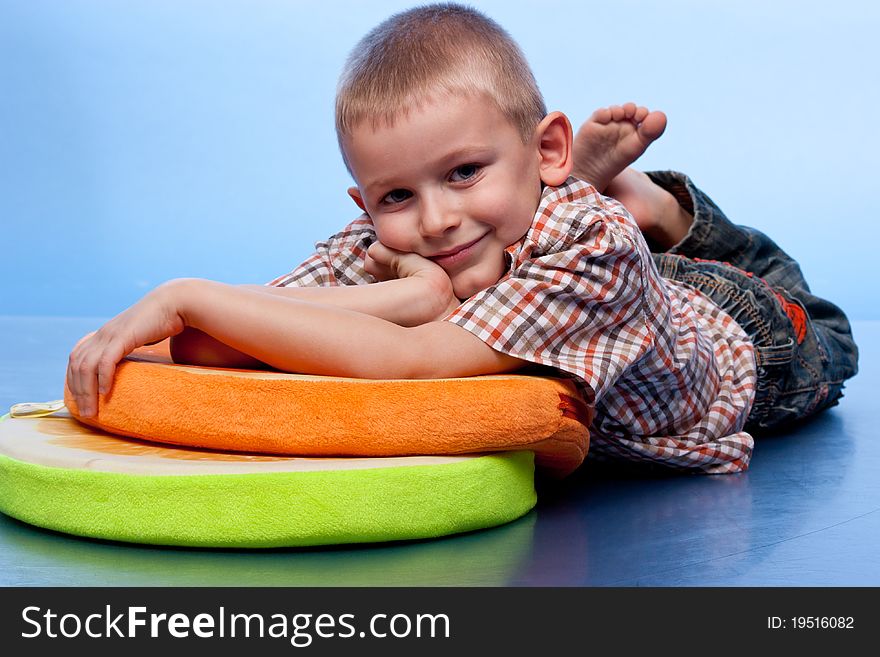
x: 803, y: 344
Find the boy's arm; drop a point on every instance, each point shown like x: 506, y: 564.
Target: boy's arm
x: 289, y: 334
x: 402, y: 301
x: 300, y: 336
x: 411, y: 290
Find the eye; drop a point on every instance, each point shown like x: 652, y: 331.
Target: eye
x: 464, y: 172
x: 396, y: 196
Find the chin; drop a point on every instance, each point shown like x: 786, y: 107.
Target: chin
x: 465, y: 289
x: 478, y: 277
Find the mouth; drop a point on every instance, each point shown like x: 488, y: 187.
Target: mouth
x: 457, y: 254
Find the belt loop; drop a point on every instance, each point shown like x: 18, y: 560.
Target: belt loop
x: 775, y: 355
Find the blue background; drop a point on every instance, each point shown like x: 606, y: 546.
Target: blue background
x: 142, y: 141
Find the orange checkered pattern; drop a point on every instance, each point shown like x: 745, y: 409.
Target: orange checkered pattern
x: 671, y: 375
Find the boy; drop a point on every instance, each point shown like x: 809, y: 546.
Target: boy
x: 478, y: 253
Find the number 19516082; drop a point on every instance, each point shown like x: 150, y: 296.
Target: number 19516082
x: 811, y: 623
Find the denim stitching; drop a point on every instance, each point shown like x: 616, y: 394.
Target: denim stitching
x: 735, y: 294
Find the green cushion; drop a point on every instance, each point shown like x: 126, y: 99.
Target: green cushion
x: 58, y: 474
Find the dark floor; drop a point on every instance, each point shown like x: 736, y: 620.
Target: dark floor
x: 806, y: 514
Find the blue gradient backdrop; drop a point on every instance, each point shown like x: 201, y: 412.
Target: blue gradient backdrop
x: 147, y: 140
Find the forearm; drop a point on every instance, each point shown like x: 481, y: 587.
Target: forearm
x: 301, y: 336
x: 405, y: 302
x: 295, y: 335
x: 285, y: 333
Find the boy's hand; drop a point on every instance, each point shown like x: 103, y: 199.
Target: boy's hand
x: 387, y: 264
x: 93, y: 360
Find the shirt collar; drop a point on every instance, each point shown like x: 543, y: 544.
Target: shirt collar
x: 573, y: 189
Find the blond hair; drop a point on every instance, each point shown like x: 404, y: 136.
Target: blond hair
x: 435, y: 49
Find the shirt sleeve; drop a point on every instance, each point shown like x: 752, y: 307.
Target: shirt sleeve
x: 578, y: 308
x: 338, y: 260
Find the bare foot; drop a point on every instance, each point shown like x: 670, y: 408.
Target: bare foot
x: 662, y: 220
x: 612, y: 139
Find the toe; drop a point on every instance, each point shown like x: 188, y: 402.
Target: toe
x: 653, y: 125
x: 601, y: 115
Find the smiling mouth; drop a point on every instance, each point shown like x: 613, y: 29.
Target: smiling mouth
x: 457, y: 254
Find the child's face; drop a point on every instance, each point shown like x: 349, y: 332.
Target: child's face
x: 451, y: 181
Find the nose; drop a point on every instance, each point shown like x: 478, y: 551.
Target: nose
x: 438, y: 216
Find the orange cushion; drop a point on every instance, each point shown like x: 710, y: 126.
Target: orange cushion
x: 279, y: 413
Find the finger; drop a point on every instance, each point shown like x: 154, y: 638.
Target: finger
x: 73, y: 380
x: 390, y: 261
x: 106, y: 370
x: 73, y: 366
x: 76, y: 386
x: 381, y: 254
x: 71, y: 383
x: 86, y: 375
x: 376, y: 269
x: 72, y: 360
x: 86, y: 360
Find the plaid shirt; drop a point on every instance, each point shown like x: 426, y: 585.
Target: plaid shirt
x: 671, y: 375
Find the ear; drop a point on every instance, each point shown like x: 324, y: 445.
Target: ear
x: 355, y: 194
x: 554, y: 137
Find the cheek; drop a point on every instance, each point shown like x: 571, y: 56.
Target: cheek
x: 393, y: 235
x: 510, y: 212
x: 511, y: 220
x: 492, y: 207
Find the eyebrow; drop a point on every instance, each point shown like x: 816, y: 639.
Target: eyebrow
x: 445, y: 161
